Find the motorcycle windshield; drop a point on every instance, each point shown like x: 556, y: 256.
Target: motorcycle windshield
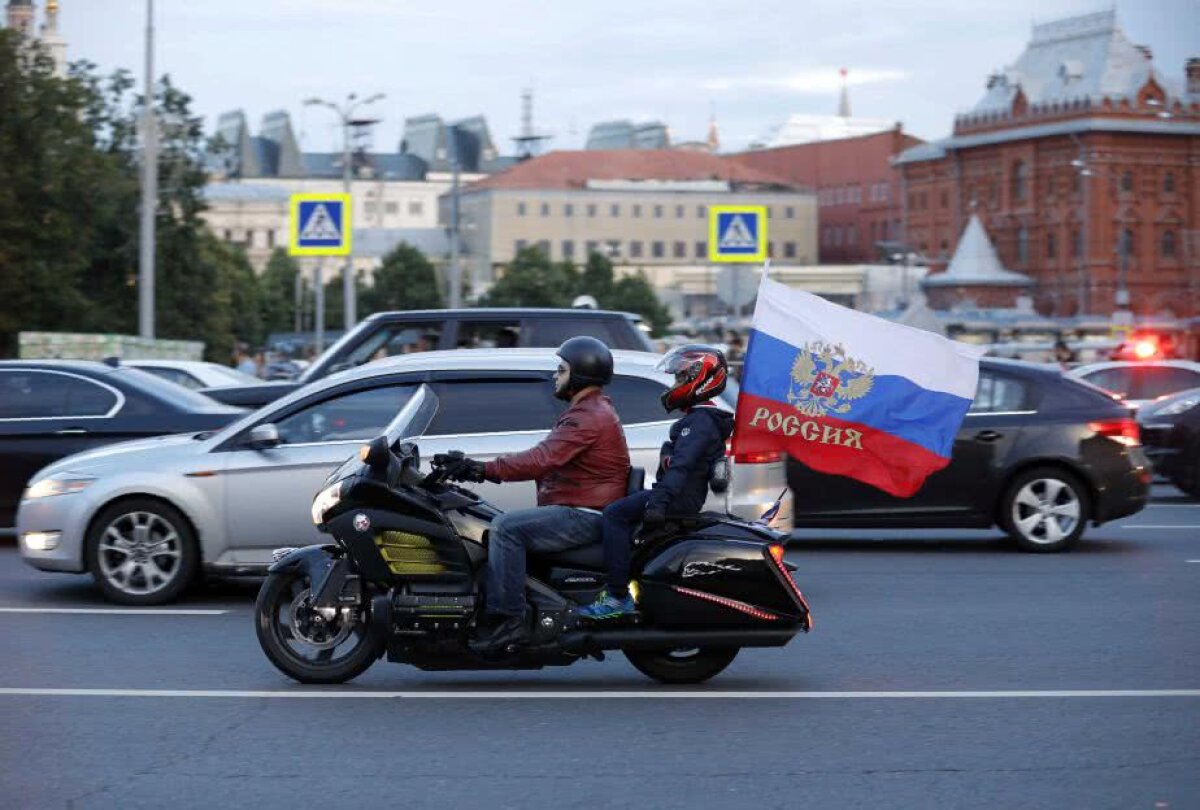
x: 407, y: 425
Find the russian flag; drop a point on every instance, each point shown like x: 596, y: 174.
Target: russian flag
x: 849, y: 393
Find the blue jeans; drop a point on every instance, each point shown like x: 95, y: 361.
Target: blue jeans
x: 620, y: 517
x: 513, y: 534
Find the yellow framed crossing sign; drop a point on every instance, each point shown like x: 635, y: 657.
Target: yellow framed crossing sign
x: 320, y: 225
x: 737, y: 233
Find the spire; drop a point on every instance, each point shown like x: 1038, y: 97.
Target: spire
x: 714, y: 140
x: 52, y: 40
x: 844, y: 103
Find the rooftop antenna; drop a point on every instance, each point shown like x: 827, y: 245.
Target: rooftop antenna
x: 529, y: 143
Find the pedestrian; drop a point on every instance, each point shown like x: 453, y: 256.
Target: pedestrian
x: 242, y: 360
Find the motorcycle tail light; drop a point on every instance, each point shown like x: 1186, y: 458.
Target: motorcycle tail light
x: 776, y: 551
x: 1122, y: 431
x: 757, y: 458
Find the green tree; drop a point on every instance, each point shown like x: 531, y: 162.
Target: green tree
x: 277, y: 292
x: 636, y: 294
x: 335, y: 315
x: 532, y: 280
x: 596, y: 279
x: 405, y: 280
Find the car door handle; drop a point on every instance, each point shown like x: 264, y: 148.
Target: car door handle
x: 70, y: 432
x: 988, y: 435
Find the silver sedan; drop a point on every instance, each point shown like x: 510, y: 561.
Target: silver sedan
x: 146, y: 517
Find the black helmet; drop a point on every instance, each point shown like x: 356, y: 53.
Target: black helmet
x: 589, y: 362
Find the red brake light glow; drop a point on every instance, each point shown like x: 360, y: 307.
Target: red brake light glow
x: 1145, y: 349
x: 757, y: 458
x: 1122, y: 431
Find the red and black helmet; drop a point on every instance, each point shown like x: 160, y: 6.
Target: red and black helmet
x: 700, y: 374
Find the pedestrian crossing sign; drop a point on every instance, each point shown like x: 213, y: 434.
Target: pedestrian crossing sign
x: 737, y: 233
x: 320, y: 225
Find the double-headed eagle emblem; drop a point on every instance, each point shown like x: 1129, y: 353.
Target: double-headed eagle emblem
x: 826, y: 380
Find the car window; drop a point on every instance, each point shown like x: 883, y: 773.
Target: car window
x: 491, y: 406
x: 1117, y: 380
x: 998, y: 393
x: 159, y: 391
x: 637, y: 399
x: 1152, y: 382
x: 393, y: 339
x: 358, y: 415
x: 551, y: 332
x: 174, y: 375
x: 38, y: 394
x: 489, y: 334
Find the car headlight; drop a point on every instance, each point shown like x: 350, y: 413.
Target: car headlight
x: 326, y: 499
x: 56, y: 485
x: 1178, y: 406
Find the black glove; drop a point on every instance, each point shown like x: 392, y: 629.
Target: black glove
x: 448, y: 459
x: 468, y: 469
x: 653, y: 519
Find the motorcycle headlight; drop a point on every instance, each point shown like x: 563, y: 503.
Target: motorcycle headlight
x: 326, y: 499
x: 1178, y: 406
x: 56, y: 485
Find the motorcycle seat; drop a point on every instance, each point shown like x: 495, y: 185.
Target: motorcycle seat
x: 589, y: 556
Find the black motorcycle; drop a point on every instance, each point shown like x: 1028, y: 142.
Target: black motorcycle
x: 404, y: 577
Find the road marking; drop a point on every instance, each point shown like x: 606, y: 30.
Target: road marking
x: 1194, y: 526
x: 118, y: 611
x: 589, y: 695
x: 1191, y: 560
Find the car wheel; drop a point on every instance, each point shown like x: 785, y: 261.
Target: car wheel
x: 142, y: 552
x: 1045, y: 510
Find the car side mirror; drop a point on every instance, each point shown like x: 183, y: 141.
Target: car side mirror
x: 263, y: 437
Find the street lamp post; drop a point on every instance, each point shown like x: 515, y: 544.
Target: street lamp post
x: 1121, y: 299
x: 149, y: 190
x: 344, y: 113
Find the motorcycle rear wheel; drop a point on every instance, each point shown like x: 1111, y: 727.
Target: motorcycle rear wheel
x: 682, y: 666
x: 304, y: 647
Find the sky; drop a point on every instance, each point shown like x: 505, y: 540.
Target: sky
x: 749, y: 64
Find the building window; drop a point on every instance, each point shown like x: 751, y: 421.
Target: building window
x: 837, y: 237
x: 391, y: 208
x: 520, y: 209
x: 658, y: 211
x: 592, y: 247
x: 789, y: 212
x: 568, y: 210
x: 1020, y: 180
x: 680, y: 251
x: 1126, y: 181
x: 770, y: 213
x: 944, y: 200
x: 270, y: 238
x: 228, y: 235
x: 635, y: 250
x: 637, y: 212
x: 544, y: 246
x: 789, y: 250
x: 1168, y: 244
x: 700, y: 212
x: 852, y: 235
x: 416, y: 208
x: 771, y: 250
x: 371, y: 207
x: 657, y: 250
x: 945, y: 248
x: 614, y: 210
x: 1169, y: 183
x: 1051, y: 246
x: 1125, y: 243
x: 545, y: 209
x: 1076, y: 244
x: 519, y: 245
x: 568, y: 249
x: 701, y: 250
x: 679, y: 212
x: 591, y: 210
x: 1022, y: 246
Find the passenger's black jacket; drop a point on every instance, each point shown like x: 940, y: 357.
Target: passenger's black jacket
x: 696, y: 441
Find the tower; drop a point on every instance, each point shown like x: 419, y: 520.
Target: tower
x: 529, y: 142
x: 53, y: 41
x: 713, y: 140
x: 20, y: 16
x: 844, y: 102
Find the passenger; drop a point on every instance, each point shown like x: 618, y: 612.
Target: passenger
x: 696, y: 441
x: 580, y: 468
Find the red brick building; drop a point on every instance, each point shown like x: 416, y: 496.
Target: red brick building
x: 858, y: 189
x: 1083, y: 163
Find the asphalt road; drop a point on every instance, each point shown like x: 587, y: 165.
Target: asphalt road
x: 945, y: 670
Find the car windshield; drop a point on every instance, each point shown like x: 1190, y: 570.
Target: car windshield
x: 172, y: 393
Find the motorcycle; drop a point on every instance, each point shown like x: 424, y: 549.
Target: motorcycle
x: 403, y: 579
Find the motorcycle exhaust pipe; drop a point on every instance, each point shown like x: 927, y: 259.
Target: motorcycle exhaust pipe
x: 637, y: 638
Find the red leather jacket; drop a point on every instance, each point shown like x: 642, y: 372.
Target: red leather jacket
x: 583, y: 462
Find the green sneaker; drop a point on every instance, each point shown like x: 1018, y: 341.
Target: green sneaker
x: 609, y: 607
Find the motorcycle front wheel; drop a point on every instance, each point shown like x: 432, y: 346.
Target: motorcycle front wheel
x: 304, y: 645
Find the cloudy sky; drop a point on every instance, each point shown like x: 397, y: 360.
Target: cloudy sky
x: 750, y: 63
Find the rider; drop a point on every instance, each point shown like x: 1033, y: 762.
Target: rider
x: 580, y: 468
x: 695, y: 442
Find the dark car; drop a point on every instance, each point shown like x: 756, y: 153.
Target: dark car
x: 53, y: 408
x: 1171, y: 434
x: 385, y: 334
x: 1038, y: 454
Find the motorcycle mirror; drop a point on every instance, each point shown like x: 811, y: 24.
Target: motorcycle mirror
x: 376, y: 454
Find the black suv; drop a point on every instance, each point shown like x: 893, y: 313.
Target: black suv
x: 388, y: 333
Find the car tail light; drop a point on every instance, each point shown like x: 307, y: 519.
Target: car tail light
x: 757, y: 458
x: 1122, y: 431
x: 776, y: 551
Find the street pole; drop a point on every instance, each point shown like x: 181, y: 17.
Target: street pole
x: 319, y: 306
x: 349, y: 302
x: 455, y: 269
x: 149, y: 190
x: 298, y: 303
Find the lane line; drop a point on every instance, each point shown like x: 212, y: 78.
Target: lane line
x: 593, y: 695
x: 119, y: 611
x: 1193, y: 526
x: 1198, y: 561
